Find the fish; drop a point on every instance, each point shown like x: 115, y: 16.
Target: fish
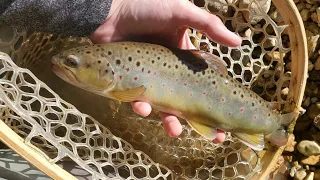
x: 193, y: 85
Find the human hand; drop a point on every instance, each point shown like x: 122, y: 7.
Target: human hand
x: 162, y: 22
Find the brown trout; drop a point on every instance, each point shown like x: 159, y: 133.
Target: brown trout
x: 191, y: 84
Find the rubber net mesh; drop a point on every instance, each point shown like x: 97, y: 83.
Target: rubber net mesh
x: 110, y: 141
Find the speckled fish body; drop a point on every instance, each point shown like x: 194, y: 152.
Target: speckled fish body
x: 190, y: 84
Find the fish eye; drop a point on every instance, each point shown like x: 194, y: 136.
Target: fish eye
x: 72, y: 61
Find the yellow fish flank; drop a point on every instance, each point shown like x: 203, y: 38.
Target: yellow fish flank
x: 191, y: 84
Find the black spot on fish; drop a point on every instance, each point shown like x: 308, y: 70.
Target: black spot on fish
x: 142, y: 69
x: 252, y: 104
x: 147, y: 52
x: 269, y: 114
x: 242, y: 95
x: 88, y: 66
x: 212, y: 71
x: 177, y: 66
x: 138, y: 64
x: 99, y: 62
x: 88, y: 52
x: 138, y: 51
x: 152, y: 61
x: 234, y: 92
x: 109, y: 52
x: 112, y: 72
x: 158, y: 58
x: 97, y: 50
x: 169, y: 66
x: 203, y: 72
x: 106, y: 71
x: 126, y: 48
x: 164, y: 64
x: 130, y: 58
x: 118, y: 62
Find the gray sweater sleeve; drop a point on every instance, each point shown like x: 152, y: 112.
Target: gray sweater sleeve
x: 67, y: 17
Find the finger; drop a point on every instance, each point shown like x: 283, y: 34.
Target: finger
x: 205, y: 22
x: 185, y: 42
x: 221, y: 136
x: 141, y: 108
x: 171, y: 124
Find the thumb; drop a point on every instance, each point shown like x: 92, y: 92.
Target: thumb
x: 204, y: 22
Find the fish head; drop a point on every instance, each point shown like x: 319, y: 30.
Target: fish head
x: 84, y: 69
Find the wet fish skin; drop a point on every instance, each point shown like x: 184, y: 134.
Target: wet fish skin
x: 190, y: 84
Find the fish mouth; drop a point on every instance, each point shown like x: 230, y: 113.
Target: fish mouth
x: 64, y: 73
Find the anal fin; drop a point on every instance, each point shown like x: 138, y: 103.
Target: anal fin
x: 254, y: 141
x: 208, y: 132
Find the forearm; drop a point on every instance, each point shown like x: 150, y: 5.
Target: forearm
x: 68, y: 17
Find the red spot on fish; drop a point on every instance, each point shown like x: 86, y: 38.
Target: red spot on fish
x: 209, y: 108
x: 163, y: 85
x: 241, y: 109
x: 177, y: 79
x: 184, y: 84
x: 197, y: 81
x: 120, y: 77
x: 150, y: 86
x: 123, y: 67
x: 204, y: 93
x: 190, y: 94
x: 229, y: 114
x: 255, y: 117
x: 222, y: 100
x: 155, y: 73
x: 171, y: 91
x: 261, y: 119
x: 149, y: 72
x: 127, y: 69
x: 213, y: 82
x: 135, y: 78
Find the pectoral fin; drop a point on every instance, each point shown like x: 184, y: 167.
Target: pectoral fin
x: 254, y: 141
x: 286, y: 119
x: 208, y: 132
x: 212, y: 60
x: 128, y: 95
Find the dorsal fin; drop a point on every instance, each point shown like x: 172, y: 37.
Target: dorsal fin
x: 212, y: 60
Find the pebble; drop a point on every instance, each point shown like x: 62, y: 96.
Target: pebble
x: 313, y: 111
x: 270, y: 42
x: 299, y: 175
x: 305, y: 14
x: 310, y: 65
x: 276, y: 16
x: 265, y: 5
x: 316, y: 122
x: 308, y: 148
x: 306, y: 102
x: 248, y: 32
x: 317, y: 64
x: 314, y: 100
x: 311, y: 160
x: 311, y: 42
x: 275, y: 55
x: 309, y: 176
x: 314, y: 17
x: 285, y: 91
x: 301, y: 6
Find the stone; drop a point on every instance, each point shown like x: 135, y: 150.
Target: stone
x: 313, y: 111
x: 316, y: 123
x: 310, y: 65
x: 306, y: 102
x: 301, y: 6
x: 275, y: 15
x: 215, y: 6
x: 305, y: 14
x: 314, y: 17
x: 311, y: 160
x: 275, y: 55
x: 270, y: 42
x: 314, y: 100
x: 248, y: 32
x: 311, y: 42
x: 309, y: 176
x: 308, y: 148
x: 317, y: 64
x: 299, y: 175
x: 265, y: 5
x: 285, y: 91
